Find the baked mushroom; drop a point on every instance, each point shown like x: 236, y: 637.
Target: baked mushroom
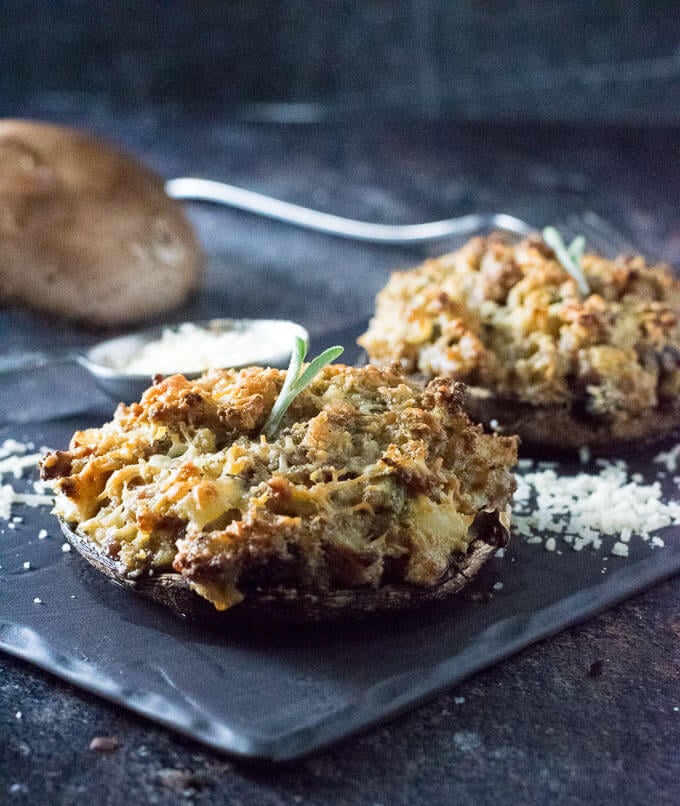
x: 87, y: 232
x: 375, y: 493
x: 560, y: 366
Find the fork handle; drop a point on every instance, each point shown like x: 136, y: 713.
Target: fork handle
x: 242, y: 199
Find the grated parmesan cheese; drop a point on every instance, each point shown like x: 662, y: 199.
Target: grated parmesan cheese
x: 189, y: 348
x: 14, y: 461
x: 669, y: 459
x: 12, y: 446
x: 584, y: 508
x: 17, y: 464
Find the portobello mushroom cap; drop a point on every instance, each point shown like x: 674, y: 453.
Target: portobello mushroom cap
x: 565, y: 428
x: 290, y: 605
x: 86, y: 232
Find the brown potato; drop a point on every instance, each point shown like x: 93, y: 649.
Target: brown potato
x: 86, y: 232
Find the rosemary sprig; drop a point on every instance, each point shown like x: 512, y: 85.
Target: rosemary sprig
x: 296, y: 382
x: 569, y: 256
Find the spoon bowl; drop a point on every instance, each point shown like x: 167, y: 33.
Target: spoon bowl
x: 106, y: 360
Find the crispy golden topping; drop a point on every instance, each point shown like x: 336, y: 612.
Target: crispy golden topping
x: 370, y: 479
x: 510, y: 319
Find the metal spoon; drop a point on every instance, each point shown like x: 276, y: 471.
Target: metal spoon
x: 103, y: 360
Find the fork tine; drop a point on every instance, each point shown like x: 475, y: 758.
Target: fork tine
x: 617, y: 239
x: 600, y: 235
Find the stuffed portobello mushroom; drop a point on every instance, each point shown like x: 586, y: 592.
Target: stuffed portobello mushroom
x: 375, y: 493
x: 559, y: 362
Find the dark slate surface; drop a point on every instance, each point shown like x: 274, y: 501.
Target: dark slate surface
x: 536, y: 729
x: 273, y: 694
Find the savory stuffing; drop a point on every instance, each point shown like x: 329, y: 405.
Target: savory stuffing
x: 508, y: 318
x: 371, y: 479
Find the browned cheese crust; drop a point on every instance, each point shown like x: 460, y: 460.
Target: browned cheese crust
x: 558, y: 368
x: 371, y: 480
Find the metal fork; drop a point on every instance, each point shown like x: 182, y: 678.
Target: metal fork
x: 600, y: 235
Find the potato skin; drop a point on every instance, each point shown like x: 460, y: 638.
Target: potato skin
x: 86, y: 232
x: 558, y: 368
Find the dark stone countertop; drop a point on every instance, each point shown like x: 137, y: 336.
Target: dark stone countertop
x: 539, y: 728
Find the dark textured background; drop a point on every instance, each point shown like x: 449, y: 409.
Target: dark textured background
x: 524, y: 89
x: 579, y: 60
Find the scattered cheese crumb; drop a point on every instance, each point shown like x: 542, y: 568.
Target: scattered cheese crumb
x: 27, y: 565
x: 498, y: 586
x: 669, y: 459
x: 42, y: 487
x: 582, y: 509
x: 37, y: 600
x: 6, y: 498
x: 42, y: 534
x: 17, y: 464
x: 18, y: 715
x: 32, y: 500
x: 66, y: 547
x: 12, y: 446
x: 14, y: 461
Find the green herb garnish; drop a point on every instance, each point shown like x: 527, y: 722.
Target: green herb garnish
x: 569, y: 256
x: 296, y: 382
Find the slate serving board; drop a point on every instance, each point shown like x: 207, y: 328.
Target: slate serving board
x: 277, y: 694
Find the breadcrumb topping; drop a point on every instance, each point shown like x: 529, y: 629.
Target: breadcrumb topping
x: 510, y: 319
x: 371, y: 478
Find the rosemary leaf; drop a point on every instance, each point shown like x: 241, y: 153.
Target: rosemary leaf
x: 315, y: 367
x: 576, y: 248
x: 286, y: 394
x: 296, y: 382
x: 569, y: 256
